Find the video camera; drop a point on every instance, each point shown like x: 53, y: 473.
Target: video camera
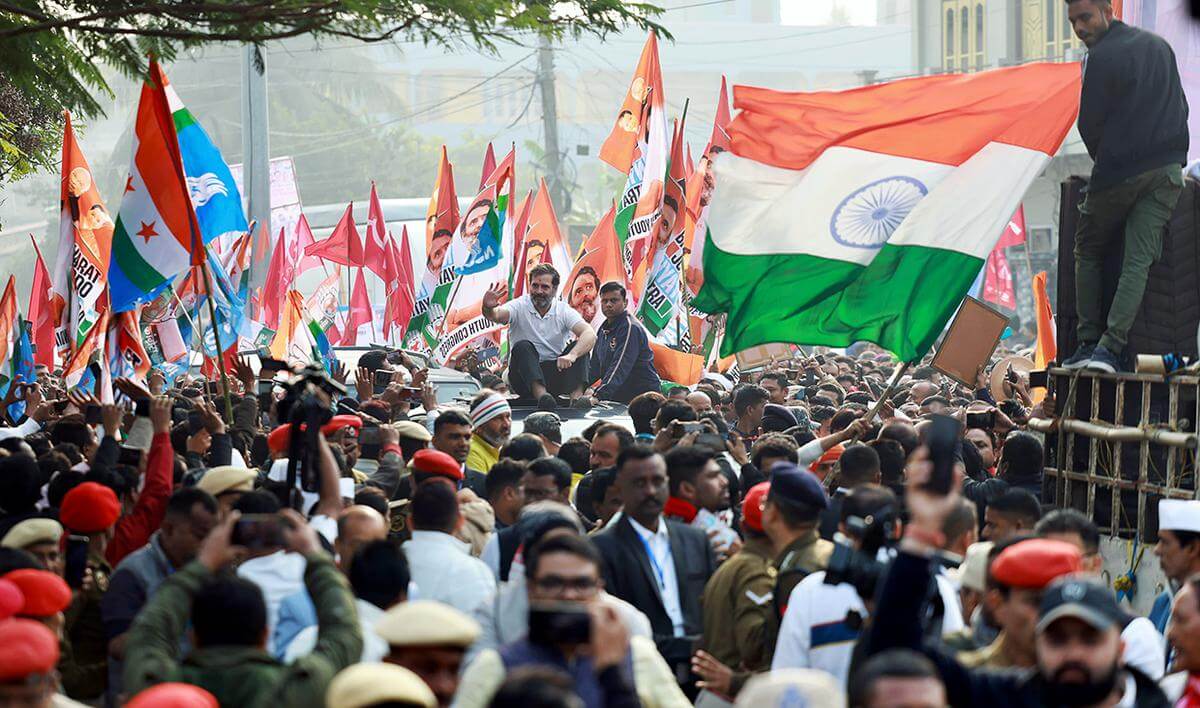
x: 305, y: 411
x: 861, y: 566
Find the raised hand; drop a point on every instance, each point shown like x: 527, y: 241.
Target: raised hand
x: 494, y: 295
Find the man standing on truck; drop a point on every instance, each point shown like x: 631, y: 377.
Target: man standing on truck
x: 1133, y: 120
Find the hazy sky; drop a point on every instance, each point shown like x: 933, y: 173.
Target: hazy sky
x: 816, y: 12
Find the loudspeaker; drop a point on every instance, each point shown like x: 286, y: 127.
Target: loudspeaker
x: 1170, y: 311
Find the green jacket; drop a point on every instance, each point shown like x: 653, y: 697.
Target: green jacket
x: 247, y: 677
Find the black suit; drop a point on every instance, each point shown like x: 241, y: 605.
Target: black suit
x: 831, y: 517
x: 629, y: 575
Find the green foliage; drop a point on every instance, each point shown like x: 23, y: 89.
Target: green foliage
x: 52, y: 51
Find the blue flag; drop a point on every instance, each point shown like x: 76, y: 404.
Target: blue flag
x: 215, y: 195
x: 22, y: 367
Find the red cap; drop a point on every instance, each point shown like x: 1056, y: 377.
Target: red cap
x: 11, y: 599
x: 436, y: 462
x: 45, y: 593
x: 27, y: 647
x: 173, y: 695
x: 1034, y: 563
x: 278, y: 439
x: 833, y: 454
x: 341, y: 421
x: 89, y: 507
x: 752, y: 506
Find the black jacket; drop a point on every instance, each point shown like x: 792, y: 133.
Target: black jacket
x: 623, y: 361
x: 898, y: 625
x: 1132, y: 113
x: 629, y: 576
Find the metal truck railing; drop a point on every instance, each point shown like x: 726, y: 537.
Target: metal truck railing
x: 1120, y: 443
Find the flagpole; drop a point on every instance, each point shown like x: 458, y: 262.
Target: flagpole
x: 682, y: 211
x: 212, y: 316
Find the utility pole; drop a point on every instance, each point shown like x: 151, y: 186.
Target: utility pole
x: 256, y: 158
x: 554, y: 183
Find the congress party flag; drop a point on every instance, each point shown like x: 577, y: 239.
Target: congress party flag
x: 437, y: 276
x: 599, y: 262
x: 214, y: 194
x: 700, y: 184
x: 542, y: 241
x: 638, y: 146
x: 127, y: 357
x: 10, y: 330
x: 659, y: 277
x: 865, y: 215
x: 85, y: 235
x: 156, y: 236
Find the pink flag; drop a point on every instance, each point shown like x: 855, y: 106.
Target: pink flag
x: 402, y: 298
x: 997, y: 280
x: 375, y: 250
x: 304, y: 239
x: 39, y: 311
x: 360, y: 310
x: 343, y: 245
x: 279, y: 280
x: 1014, y: 233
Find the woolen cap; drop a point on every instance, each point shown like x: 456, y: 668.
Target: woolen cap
x: 412, y: 430
x: 426, y: 623
x: 1179, y: 515
x: 436, y: 462
x: 89, y: 507
x: 369, y: 684
x: 32, y: 531
x: 792, y: 484
x: 27, y: 648
x: 227, y: 478
x: 792, y: 688
x: 45, y: 593
x: 173, y: 695
x: 1033, y: 564
x: 752, y: 506
x: 544, y: 423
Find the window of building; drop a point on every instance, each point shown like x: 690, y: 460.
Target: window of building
x: 948, y: 40
x: 979, y: 36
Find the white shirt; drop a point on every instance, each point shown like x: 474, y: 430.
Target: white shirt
x: 374, y: 646
x: 443, y: 567
x: 1144, y: 648
x: 658, y: 547
x: 278, y: 575
x: 549, y: 333
x: 31, y: 426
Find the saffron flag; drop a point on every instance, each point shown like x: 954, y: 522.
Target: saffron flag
x: 85, y: 234
x: 659, y: 276
x: 1046, y: 349
x: 903, y: 189
x: 343, y: 245
x: 638, y: 146
x: 599, y: 262
x: 156, y: 236
x: 214, y: 193
x: 520, y: 228
x: 438, y: 274
x: 9, y: 327
x: 322, y: 305
x: 700, y: 186
x: 127, y: 357
x: 75, y: 370
x: 291, y: 342
x: 543, y: 241
x: 489, y: 166
x: 375, y: 249
x: 41, y: 319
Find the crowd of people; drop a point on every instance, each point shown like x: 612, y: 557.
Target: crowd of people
x: 768, y: 540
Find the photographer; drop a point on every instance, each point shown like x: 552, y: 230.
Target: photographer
x: 572, y: 630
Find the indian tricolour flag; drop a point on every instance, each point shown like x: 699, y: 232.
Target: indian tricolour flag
x: 156, y: 226
x: 865, y: 215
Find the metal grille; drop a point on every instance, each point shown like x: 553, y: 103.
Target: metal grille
x: 1121, y: 443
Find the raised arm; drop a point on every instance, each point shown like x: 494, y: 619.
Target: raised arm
x: 492, y: 309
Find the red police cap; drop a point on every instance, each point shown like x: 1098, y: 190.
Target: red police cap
x: 752, y: 506
x: 27, y: 648
x: 45, y: 593
x: 1034, y: 563
x: 436, y: 462
x: 90, y: 507
x: 341, y: 421
x: 11, y: 599
x: 173, y: 695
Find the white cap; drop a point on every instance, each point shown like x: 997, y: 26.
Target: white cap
x: 1179, y: 515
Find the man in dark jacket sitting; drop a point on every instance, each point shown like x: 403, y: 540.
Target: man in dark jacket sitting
x: 622, y: 357
x: 1078, y: 641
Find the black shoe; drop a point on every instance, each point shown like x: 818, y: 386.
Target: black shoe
x: 1080, y: 358
x: 583, y: 403
x: 1104, y: 360
x: 547, y: 403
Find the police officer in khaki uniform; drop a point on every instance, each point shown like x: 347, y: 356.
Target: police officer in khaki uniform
x: 791, y: 516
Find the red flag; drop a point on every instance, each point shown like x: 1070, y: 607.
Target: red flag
x: 39, y: 310
x: 1014, y: 233
x: 360, y: 310
x: 375, y: 251
x: 997, y: 281
x: 343, y: 245
x: 279, y: 280
x: 599, y: 262
x: 489, y: 166
x: 691, y: 164
x: 304, y: 239
x: 402, y: 296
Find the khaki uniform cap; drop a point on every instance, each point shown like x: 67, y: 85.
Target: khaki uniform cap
x: 791, y: 687
x: 412, y: 430
x: 426, y: 623
x: 361, y: 685
x: 32, y: 531
x: 220, y: 480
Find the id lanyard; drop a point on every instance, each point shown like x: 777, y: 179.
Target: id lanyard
x: 662, y: 579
